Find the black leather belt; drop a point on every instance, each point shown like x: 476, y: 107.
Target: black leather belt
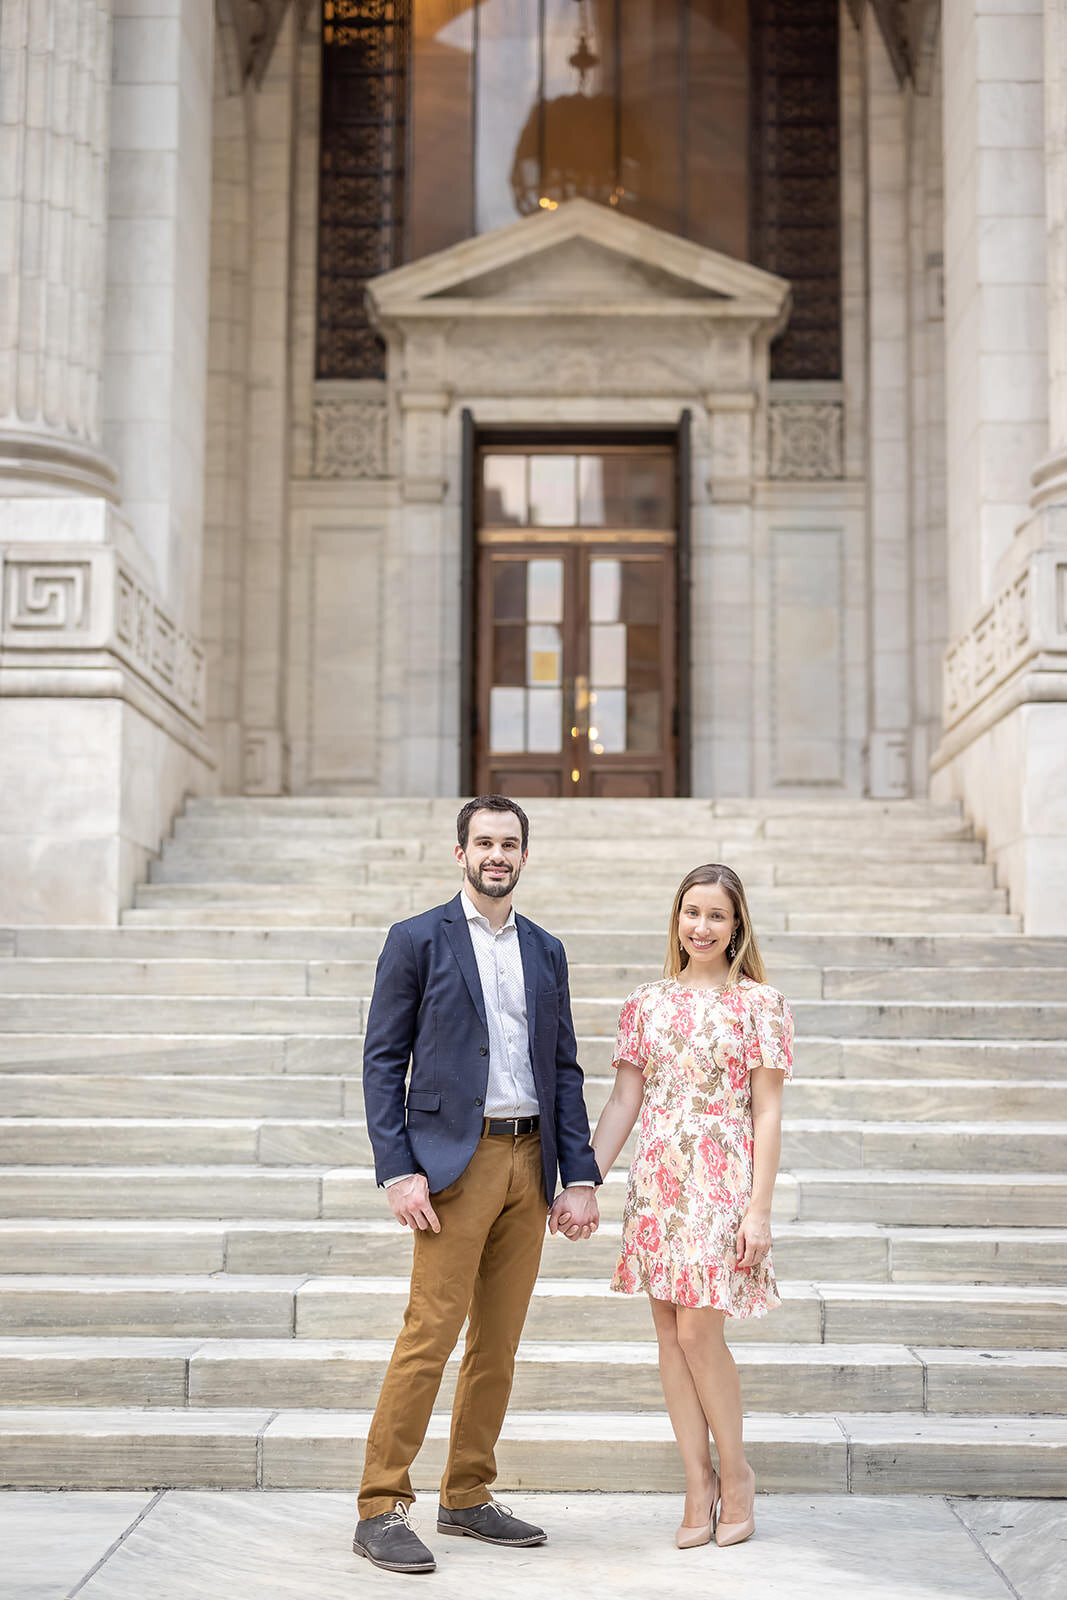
x: 511, y: 1125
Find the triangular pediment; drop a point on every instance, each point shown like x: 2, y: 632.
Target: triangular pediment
x: 581, y: 255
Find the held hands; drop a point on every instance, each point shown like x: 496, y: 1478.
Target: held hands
x: 574, y: 1213
x: 753, y: 1240
x: 410, y: 1200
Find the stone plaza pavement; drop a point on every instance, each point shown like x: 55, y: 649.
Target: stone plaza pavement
x: 201, y: 1545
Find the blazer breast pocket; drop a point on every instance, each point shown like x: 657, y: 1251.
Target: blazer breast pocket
x: 419, y: 1100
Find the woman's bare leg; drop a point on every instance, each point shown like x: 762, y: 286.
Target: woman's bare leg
x: 714, y: 1376
x: 688, y: 1418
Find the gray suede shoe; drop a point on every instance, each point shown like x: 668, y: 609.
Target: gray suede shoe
x: 492, y: 1523
x: 390, y: 1542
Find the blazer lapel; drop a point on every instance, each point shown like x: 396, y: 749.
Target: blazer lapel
x: 528, y: 951
x: 459, y: 938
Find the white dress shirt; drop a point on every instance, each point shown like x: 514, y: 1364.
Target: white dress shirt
x: 511, y: 1091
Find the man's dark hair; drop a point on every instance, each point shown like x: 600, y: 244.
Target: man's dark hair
x: 490, y: 802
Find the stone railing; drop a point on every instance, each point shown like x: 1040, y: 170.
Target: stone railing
x: 65, y: 605
x: 1026, y: 623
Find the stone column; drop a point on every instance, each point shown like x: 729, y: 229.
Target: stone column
x: 1004, y: 753
x: 55, y: 67
x: 101, y: 690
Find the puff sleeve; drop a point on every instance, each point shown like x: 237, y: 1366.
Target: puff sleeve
x: 774, y: 1032
x: 629, y: 1042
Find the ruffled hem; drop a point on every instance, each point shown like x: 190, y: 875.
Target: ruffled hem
x: 695, y: 1288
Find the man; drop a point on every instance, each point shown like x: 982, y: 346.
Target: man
x: 477, y: 999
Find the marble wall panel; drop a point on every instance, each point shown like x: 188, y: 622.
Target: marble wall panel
x: 807, y: 657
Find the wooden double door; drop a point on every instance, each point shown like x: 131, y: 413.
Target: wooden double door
x: 575, y: 622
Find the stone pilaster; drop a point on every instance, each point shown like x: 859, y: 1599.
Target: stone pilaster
x: 53, y: 208
x: 1004, y: 752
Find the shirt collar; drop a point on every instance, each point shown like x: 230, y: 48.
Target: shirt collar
x: 472, y: 914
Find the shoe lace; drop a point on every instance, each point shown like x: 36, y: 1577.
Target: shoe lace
x: 399, y: 1517
x: 501, y: 1511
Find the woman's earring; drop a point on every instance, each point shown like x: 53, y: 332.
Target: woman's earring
x: 731, y: 948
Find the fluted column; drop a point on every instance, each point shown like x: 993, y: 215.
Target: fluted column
x: 1050, y: 476
x: 53, y: 216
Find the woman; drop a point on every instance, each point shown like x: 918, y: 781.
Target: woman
x: 702, y: 1056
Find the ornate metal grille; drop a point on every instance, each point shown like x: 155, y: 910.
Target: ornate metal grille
x: 361, y: 174
x: 795, y: 226
x: 794, y: 177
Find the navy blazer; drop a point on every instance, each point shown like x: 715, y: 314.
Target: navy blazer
x: 428, y: 1009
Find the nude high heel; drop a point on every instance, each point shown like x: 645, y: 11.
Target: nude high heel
x: 688, y: 1538
x: 729, y: 1533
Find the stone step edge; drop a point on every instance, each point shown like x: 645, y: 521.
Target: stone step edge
x: 263, y: 1448
x: 599, y: 1353
x: 868, y: 1175
x: 386, y: 1228
x: 545, y: 1289
x: 1018, y: 1128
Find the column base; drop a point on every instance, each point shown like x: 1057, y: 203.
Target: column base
x: 1012, y: 782
x: 42, y: 464
x: 88, y: 790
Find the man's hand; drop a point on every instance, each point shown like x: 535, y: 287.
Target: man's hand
x: 575, y: 1213
x: 410, y: 1200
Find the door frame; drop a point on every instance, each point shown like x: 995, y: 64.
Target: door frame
x: 574, y: 438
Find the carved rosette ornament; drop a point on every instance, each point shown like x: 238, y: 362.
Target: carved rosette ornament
x: 350, y: 439
x: 806, y: 440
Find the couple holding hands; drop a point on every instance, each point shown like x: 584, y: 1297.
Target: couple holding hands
x: 476, y: 1000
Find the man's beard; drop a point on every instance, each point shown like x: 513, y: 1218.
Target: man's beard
x: 493, y: 889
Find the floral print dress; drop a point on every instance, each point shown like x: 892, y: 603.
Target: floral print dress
x: 691, y: 1179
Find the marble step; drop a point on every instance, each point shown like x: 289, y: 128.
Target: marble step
x: 849, y: 1251
x: 889, y: 1019
x: 168, y: 1014
x: 604, y: 948
x: 654, y: 881
x: 282, y: 915
x: 224, y: 1054
x: 869, y: 1453
x: 909, y: 1198
x: 108, y: 1094
x: 720, y: 840
x: 588, y: 981
x: 346, y: 1374
x: 385, y: 903
x: 1035, y: 1147
x: 255, y: 1307
x: 569, y: 813
x: 338, y: 1014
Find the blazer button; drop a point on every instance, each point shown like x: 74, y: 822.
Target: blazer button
x: 483, y: 1050
x: 478, y: 1101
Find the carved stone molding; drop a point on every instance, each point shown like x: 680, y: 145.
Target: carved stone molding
x: 806, y: 440
x: 51, y: 596
x: 589, y: 358
x: 60, y: 602
x: 1027, y: 622
x: 350, y: 439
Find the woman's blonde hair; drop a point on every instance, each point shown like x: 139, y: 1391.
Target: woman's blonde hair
x: 746, y: 960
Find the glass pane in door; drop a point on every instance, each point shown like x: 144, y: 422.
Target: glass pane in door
x: 625, y: 655
x: 526, y: 689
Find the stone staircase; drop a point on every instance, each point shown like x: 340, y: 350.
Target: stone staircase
x: 200, y: 1283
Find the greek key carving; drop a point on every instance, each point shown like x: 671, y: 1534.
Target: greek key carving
x: 45, y: 594
x: 806, y: 439
x: 349, y: 439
